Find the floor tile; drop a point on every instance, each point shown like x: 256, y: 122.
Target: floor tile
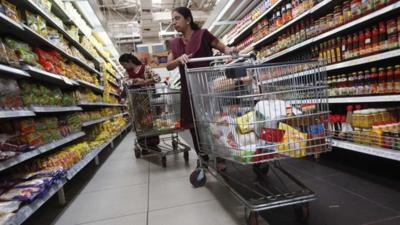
x: 175, y: 192
x: 106, y: 204
x: 137, y: 219
x: 114, y: 179
x: 176, y: 168
x: 387, y: 221
x: 211, y: 213
x: 333, y: 206
x: 382, y: 195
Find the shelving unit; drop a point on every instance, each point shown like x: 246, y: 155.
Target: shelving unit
x: 247, y: 29
x: 53, y: 109
x: 370, y: 150
x: 350, y: 65
x: 333, y: 32
x: 38, y: 151
x: 26, y: 211
x: 24, y: 33
x: 15, y: 113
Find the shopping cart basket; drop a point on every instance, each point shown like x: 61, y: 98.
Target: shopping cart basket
x: 252, y: 116
x: 155, y: 113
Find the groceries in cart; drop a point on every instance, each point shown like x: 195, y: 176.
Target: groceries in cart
x: 272, y: 128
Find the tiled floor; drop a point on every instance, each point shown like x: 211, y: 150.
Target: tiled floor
x: 127, y: 191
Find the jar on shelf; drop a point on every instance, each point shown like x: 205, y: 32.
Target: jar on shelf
x: 357, y: 135
x: 397, y: 79
x: 366, y: 137
x: 330, y: 21
x: 361, y: 43
x: 338, y: 16
x: 346, y: 11
x: 379, y: 4
x: 386, y: 115
x: 375, y: 39
x: 367, y: 82
x: 349, y: 46
x: 382, y: 36
x: 356, y: 119
x: 374, y: 81
x: 389, y: 80
x: 367, y: 41
x: 360, y: 83
x: 355, y: 6
x: 356, y: 49
x: 352, y: 79
x: 337, y: 45
x: 367, y: 6
x: 382, y: 80
x: 377, y: 133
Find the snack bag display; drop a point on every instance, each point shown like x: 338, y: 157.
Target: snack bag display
x: 21, y: 194
x: 294, y: 141
x: 10, y: 10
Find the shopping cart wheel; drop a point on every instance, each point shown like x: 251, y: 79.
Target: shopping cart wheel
x: 198, y: 178
x: 261, y: 169
x: 251, y: 218
x: 302, y: 212
x: 186, y: 156
x: 137, y: 152
x: 164, y: 161
x: 175, y: 145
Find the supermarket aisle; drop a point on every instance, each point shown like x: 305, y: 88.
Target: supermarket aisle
x: 126, y: 191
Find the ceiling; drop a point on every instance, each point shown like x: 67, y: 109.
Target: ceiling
x: 129, y: 22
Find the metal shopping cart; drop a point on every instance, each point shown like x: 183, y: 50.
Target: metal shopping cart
x: 155, y: 113
x: 252, y: 116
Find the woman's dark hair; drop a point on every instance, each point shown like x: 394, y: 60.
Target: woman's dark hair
x: 187, y: 14
x: 128, y: 57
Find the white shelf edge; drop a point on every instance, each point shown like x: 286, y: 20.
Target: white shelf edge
x: 299, y: 17
x: 232, y: 40
x: 26, y: 211
x: 14, y: 71
x: 367, y: 59
x: 92, y: 86
x: 38, y: 151
x: 92, y: 122
x: 365, y: 99
x: 49, y: 109
x: 9, y: 20
x: 15, y: 113
x: 370, y: 150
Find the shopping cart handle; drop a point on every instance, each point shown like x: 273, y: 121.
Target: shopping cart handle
x: 223, y: 57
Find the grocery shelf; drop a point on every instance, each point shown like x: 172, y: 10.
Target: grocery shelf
x: 26, y: 211
x: 99, y: 104
x: 91, y: 86
x: 53, y: 109
x: 11, y: 72
x: 294, y: 20
x: 90, y: 156
x: 334, y: 32
x: 115, y: 94
x: 42, y: 149
x: 288, y: 77
x: 15, y: 113
x: 248, y: 27
x: 365, y: 99
x: 47, y: 77
x: 113, y: 83
x: 33, y: 6
x: 29, y: 34
x: 370, y: 150
x: 364, y: 60
x: 8, y: 23
x: 93, y: 122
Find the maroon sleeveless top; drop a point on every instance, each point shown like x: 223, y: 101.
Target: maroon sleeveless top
x: 200, y: 46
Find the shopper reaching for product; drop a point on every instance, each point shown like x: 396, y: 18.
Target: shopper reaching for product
x: 193, y: 43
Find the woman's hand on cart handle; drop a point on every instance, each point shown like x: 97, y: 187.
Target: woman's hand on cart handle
x: 231, y: 51
x: 183, y: 59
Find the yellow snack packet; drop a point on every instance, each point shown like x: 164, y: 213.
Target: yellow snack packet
x: 294, y: 141
x: 245, y: 123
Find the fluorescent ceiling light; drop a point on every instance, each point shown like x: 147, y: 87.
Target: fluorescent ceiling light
x: 221, y: 14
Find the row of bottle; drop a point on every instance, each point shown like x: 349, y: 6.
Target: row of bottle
x: 370, y: 126
x: 382, y: 80
x: 380, y: 37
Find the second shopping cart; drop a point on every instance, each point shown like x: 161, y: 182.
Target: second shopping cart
x: 155, y: 113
